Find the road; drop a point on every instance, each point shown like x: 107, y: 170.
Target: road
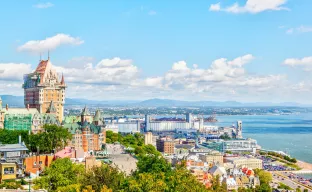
x: 279, y: 178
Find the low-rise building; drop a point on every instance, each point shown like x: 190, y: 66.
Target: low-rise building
x: 165, y: 145
x: 14, y: 153
x: 37, y: 163
x: 8, y: 171
x: 241, y: 162
x: 212, y: 158
x: 240, y: 145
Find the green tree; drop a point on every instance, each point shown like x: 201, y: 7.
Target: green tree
x: 265, y: 177
x: 97, y: 177
x: 61, y: 173
x: 152, y: 164
x: 263, y: 188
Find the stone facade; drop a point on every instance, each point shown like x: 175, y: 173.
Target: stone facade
x: 87, y: 135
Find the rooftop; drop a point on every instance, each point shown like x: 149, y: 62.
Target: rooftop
x: 13, y: 147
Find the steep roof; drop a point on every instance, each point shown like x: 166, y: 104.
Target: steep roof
x: 97, y: 116
x: 51, y: 108
x: 42, y: 66
x: 85, y: 111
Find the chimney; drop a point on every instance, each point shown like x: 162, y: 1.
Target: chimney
x: 7, y: 106
x: 20, y: 139
x: 28, y: 107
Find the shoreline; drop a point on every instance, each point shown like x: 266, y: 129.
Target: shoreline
x: 304, y: 165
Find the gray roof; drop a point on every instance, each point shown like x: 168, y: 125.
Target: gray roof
x: 13, y: 147
x: 184, y: 146
x: 21, y: 111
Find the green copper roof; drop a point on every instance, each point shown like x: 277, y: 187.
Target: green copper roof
x: 85, y: 111
x: 97, y: 116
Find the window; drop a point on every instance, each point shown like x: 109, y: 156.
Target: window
x: 35, y: 163
x: 40, y: 162
x: 8, y: 170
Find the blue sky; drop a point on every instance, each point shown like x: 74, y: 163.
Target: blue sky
x: 135, y: 49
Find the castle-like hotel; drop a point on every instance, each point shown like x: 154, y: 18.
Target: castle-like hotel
x: 44, y: 90
x: 44, y: 99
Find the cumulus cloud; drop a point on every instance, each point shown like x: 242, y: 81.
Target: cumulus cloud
x: 107, y: 71
x: 301, y: 29
x: 117, y: 78
x: 13, y: 71
x: 252, y: 6
x: 43, y: 5
x: 50, y: 43
x: 305, y: 63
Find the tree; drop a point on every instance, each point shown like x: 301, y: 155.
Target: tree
x: 152, y: 163
x: 98, y: 177
x: 61, y: 173
x: 265, y: 177
x: 263, y: 188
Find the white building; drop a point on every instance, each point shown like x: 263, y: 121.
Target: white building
x: 240, y: 145
x: 239, y: 130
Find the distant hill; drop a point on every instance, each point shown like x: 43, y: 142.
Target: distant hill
x: 12, y: 101
x: 18, y: 101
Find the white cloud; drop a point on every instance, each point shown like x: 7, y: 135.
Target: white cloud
x: 78, y: 62
x: 13, y: 71
x: 305, y: 63
x: 43, y: 5
x: 107, y: 71
x: 50, y: 43
x: 215, y: 7
x: 116, y: 78
x: 252, y: 6
x: 301, y: 29
x: 151, y: 12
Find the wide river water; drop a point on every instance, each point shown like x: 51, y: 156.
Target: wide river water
x: 289, y: 133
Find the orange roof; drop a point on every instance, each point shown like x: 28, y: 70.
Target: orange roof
x: 42, y: 66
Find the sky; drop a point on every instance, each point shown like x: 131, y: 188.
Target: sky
x: 212, y: 50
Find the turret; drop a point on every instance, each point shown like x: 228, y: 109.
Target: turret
x: 84, y: 113
x: 97, y: 117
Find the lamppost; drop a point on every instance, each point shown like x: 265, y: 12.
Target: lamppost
x: 29, y: 182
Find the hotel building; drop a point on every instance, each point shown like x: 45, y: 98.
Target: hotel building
x: 44, y: 86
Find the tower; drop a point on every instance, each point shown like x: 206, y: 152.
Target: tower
x: 189, y: 117
x: 43, y: 87
x: 239, y: 130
